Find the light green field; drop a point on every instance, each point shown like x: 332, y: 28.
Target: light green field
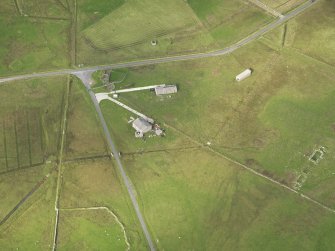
x: 90, y: 230
x: 84, y: 137
x: 213, y: 205
x: 30, y: 122
x: 47, y: 8
x: 7, y: 7
x: 136, y: 21
x: 33, y: 43
x: 225, y: 20
x: 271, y: 122
x: 97, y: 183
x: 191, y: 195
x: 314, y: 35
x: 12, y: 192
x: 31, y: 227
x: 283, y: 6
x: 189, y: 32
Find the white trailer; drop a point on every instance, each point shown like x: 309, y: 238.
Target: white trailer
x: 243, y: 75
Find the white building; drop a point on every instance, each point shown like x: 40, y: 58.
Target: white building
x: 165, y: 89
x: 247, y: 73
x: 141, y: 126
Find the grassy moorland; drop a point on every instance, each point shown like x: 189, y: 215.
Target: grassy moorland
x: 32, y: 226
x: 30, y: 122
x: 90, y: 230
x: 177, y: 25
x: 31, y: 112
x: 34, y: 37
x: 194, y: 199
x: 261, y: 122
x: 13, y: 193
x: 191, y: 195
x: 84, y: 136
x: 246, y: 114
x: 283, y: 5
x: 272, y: 122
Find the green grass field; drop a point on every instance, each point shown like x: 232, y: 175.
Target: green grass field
x: 15, y: 185
x: 283, y: 6
x: 190, y: 189
x: 32, y: 226
x: 84, y: 136
x: 190, y: 31
x: 30, y: 118
x: 98, y: 184
x: 213, y: 205
x: 271, y: 122
x: 90, y: 230
x: 36, y: 40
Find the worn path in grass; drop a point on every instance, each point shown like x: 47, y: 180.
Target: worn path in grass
x: 221, y: 52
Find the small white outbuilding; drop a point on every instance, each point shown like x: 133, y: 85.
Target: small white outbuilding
x: 243, y: 75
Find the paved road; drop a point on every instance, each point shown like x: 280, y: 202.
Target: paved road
x: 125, y: 178
x: 224, y: 51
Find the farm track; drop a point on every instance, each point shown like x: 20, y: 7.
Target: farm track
x: 317, y: 60
x: 166, y: 150
x: 60, y: 158
x: 22, y: 168
x: 26, y: 197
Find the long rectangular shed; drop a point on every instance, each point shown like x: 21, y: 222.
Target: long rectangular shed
x: 166, y: 89
x: 243, y: 75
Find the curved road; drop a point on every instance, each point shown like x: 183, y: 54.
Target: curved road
x: 110, y: 142
x: 221, y: 52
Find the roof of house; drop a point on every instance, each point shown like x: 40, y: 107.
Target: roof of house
x: 166, y: 89
x: 141, y: 125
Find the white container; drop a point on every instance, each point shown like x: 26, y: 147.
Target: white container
x: 247, y: 73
